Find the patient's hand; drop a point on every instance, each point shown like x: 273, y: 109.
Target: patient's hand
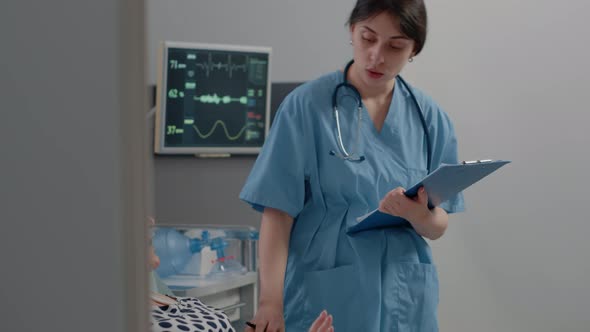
x: 153, y: 259
x: 323, y: 323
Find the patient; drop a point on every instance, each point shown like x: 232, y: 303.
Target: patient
x: 173, y: 314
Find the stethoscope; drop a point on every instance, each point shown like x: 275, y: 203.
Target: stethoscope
x: 353, y: 156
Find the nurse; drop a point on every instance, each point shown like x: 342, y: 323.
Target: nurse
x: 376, y: 280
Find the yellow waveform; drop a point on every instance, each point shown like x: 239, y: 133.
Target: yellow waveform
x: 222, y: 124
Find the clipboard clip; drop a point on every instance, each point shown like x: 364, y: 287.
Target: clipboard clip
x: 481, y: 161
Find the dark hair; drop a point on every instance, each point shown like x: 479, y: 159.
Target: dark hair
x: 411, y: 14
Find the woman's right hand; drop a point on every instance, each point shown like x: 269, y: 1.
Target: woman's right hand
x: 323, y: 323
x: 268, y: 318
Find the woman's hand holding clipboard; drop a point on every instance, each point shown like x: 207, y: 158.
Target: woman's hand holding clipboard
x: 442, y: 184
x: 450, y: 179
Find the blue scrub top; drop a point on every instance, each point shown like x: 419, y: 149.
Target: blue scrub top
x: 377, y: 280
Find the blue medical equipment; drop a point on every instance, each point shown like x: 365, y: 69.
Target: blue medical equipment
x: 352, y: 156
x: 224, y: 264
x: 175, y: 250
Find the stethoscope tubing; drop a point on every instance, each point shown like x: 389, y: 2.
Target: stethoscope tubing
x: 350, y: 156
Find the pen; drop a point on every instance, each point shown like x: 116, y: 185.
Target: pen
x: 252, y: 325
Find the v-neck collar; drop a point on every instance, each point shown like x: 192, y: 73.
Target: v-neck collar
x: 389, y: 123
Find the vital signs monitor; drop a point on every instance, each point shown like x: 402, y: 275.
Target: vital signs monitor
x: 212, y: 99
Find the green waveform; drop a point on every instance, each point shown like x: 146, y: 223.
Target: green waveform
x: 215, y: 99
x: 222, y: 124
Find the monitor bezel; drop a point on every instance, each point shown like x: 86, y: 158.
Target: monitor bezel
x: 159, y: 139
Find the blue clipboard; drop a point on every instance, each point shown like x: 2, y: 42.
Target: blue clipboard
x: 445, y: 182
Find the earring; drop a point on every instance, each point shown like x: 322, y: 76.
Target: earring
x: 411, y: 60
x: 350, y: 42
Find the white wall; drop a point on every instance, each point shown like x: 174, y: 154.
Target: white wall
x: 65, y: 159
x: 513, y: 76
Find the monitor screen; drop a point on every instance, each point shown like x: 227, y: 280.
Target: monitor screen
x: 212, y: 99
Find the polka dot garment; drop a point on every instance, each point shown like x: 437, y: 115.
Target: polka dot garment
x: 189, y: 314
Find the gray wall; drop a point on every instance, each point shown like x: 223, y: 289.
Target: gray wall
x: 61, y: 242
x: 513, y: 75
